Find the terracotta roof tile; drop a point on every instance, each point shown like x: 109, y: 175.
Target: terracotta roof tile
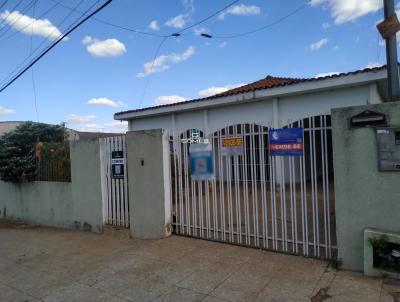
x: 266, y: 83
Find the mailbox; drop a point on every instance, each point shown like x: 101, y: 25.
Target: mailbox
x: 388, y: 148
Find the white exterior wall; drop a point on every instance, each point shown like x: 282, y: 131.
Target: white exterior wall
x: 260, y: 111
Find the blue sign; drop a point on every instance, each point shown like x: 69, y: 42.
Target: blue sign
x: 286, y: 142
x: 201, y: 163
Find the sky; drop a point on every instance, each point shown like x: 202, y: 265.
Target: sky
x: 100, y: 69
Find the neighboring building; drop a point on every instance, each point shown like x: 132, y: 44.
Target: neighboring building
x: 8, y: 126
x: 74, y: 135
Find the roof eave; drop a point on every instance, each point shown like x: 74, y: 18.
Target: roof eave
x: 280, y: 91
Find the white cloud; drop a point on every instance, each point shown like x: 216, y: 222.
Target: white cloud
x: 200, y: 30
x: 327, y: 74
x: 88, y: 40
x: 105, y: 102
x: 79, y: 119
x: 111, y: 127
x: 31, y: 26
x: 318, y: 44
x: 154, y: 25
x: 159, y: 64
x: 349, y: 10
x: 216, y: 90
x: 222, y: 44
x: 178, y: 21
x: 6, y: 110
x: 373, y: 65
x: 169, y: 99
x: 105, y: 48
x: 326, y: 25
x: 241, y: 10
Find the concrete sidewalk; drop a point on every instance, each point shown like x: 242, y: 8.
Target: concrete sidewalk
x: 44, y: 264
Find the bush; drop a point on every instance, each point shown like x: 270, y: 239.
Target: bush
x: 17, y: 149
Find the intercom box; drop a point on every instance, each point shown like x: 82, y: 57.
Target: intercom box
x: 388, y: 140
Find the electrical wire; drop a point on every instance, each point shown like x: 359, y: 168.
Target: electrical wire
x: 4, y: 3
x: 177, y: 34
x: 151, y: 68
x: 209, y: 17
x: 23, y: 12
x: 33, y: 74
x: 112, y: 24
x: 303, y: 6
x: 14, y: 8
x: 54, y: 44
x: 21, y: 29
x: 46, y: 38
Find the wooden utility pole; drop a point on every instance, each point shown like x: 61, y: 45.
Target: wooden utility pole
x: 388, y: 29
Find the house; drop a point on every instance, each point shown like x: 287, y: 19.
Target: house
x: 251, y: 197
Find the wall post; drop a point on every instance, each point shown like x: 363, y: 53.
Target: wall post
x: 149, y: 183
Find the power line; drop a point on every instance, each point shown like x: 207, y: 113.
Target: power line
x: 112, y: 24
x: 4, y: 3
x: 177, y: 34
x: 151, y: 68
x: 209, y: 17
x: 54, y: 44
x: 33, y: 74
x: 47, y: 37
x: 5, y: 19
x: 21, y: 29
x: 28, y: 7
x: 263, y: 27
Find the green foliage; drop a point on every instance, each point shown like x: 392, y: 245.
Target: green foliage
x: 379, y: 243
x: 17, y: 149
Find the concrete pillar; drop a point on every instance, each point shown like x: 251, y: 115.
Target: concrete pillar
x: 149, y: 183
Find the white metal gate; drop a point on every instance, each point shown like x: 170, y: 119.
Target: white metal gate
x: 279, y: 203
x: 114, y: 190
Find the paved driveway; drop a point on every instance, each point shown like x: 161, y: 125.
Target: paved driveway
x: 45, y: 264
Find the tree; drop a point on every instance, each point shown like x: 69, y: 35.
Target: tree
x: 17, y: 149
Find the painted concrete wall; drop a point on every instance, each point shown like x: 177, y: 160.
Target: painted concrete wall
x: 261, y: 111
x: 364, y: 197
x: 149, y: 183
x: 77, y: 204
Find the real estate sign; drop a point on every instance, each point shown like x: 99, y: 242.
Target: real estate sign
x: 286, y: 142
x: 201, y: 162
x: 232, y: 146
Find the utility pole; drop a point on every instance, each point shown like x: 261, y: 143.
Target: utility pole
x: 388, y: 29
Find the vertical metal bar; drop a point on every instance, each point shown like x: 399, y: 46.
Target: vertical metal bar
x: 261, y: 153
x: 312, y: 162
x: 175, y: 180
x: 237, y: 192
x: 316, y: 188
x: 325, y: 214
x: 283, y: 206
x: 255, y: 187
x: 221, y: 187
x: 246, y: 189
x: 187, y: 189
x: 180, y: 189
x: 272, y: 197
x: 302, y: 193
x: 327, y: 158
x: 214, y: 188
x: 229, y: 190
x: 207, y: 188
x: 306, y: 244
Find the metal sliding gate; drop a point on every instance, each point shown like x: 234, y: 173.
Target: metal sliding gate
x: 114, y: 181
x: 279, y: 203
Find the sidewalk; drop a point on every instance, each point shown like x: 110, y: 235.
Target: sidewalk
x: 52, y: 265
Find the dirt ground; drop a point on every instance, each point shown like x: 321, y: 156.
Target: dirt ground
x: 55, y: 265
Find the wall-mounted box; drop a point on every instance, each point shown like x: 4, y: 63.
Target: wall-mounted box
x: 388, y: 140
x: 375, y: 269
